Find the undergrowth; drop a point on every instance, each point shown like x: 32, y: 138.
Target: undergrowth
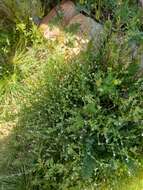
x: 77, y: 123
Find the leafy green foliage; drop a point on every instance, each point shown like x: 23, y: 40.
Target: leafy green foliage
x: 78, y: 122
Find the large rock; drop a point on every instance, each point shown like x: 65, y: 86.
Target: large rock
x: 87, y: 31
x: 64, y: 12
x: 83, y: 29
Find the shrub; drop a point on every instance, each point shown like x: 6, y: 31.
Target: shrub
x: 79, y: 122
x: 83, y: 124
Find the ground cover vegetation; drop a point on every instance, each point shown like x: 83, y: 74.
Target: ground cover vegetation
x: 71, y: 124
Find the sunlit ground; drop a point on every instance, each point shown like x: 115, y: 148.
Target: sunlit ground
x: 5, y: 130
x: 135, y: 183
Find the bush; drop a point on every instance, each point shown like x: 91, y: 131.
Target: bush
x: 80, y: 122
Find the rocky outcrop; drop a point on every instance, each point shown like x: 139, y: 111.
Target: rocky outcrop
x: 87, y: 29
x: 66, y: 23
x: 63, y: 13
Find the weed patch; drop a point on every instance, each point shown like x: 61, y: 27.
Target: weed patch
x: 76, y: 123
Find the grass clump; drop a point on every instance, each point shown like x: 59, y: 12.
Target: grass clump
x: 78, y: 123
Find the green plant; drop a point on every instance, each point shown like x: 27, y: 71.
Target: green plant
x: 79, y: 122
